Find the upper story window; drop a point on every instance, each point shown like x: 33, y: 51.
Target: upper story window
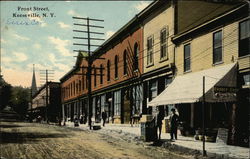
x: 101, y: 74
x: 217, y: 47
x: 187, y: 57
x: 163, y: 43
x: 108, y: 70
x: 244, y: 38
x: 94, y: 76
x: 136, y: 56
x: 80, y: 85
x: 116, y: 66
x: 74, y: 88
x: 150, y: 50
x: 125, y: 63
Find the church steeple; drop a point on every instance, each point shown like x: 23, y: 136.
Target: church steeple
x: 33, y: 84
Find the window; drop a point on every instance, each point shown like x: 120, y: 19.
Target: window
x: 82, y: 81
x: 116, y: 66
x: 163, y: 41
x: 150, y: 50
x: 153, y: 89
x: 125, y: 64
x: 94, y: 76
x: 93, y: 107
x: 167, y: 82
x: 187, y: 59
x: 136, y: 56
x: 80, y: 85
x: 246, y: 78
x: 137, y: 99
x: 103, y: 101
x: 71, y: 89
x: 108, y: 70
x: 244, y: 39
x: 101, y: 74
x: 117, y: 103
x: 217, y: 47
x: 74, y: 88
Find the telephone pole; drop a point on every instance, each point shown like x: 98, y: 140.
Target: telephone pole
x: 89, y: 58
x: 45, y: 74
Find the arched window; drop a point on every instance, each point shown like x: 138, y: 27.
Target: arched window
x: 94, y: 76
x: 136, y: 56
x: 108, y: 70
x: 125, y: 64
x: 101, y: 74
x: 116, y: 66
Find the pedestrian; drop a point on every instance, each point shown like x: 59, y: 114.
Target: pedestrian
x: 76, y: 121
x: 174, y: 118
x: 81, y: 119
x: 104, y: 117
x: 159, y: 118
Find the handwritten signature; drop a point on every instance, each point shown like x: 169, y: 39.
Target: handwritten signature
x: 22, y: 22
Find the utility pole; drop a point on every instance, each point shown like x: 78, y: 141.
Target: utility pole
x: 89, y: 57
x: 47, y: 78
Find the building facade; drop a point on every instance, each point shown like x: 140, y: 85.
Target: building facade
x: 46, y: 102
x: 210, y: 54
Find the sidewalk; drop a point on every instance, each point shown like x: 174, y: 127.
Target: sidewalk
x: 214, y: 150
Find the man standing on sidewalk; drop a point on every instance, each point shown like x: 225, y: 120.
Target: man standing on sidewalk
x: 173, y: 124
x: 104, y: 116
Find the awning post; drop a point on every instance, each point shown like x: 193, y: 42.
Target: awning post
x: 203, y: 118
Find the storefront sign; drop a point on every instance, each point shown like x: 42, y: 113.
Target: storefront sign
x: 218, y: 89
x: 225, y: 93
x: 222, y: 135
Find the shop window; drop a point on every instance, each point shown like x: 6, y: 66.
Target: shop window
x: 136, y: 56
x: 187, y: 58
x: 101, y: 74
x: 217, y: 47
x: 116, y: 66
x: 246, y: 78
x: 150, y: 50
x: 117, y: 103
x: 125, y: 63
x: 167, y: 82
x: 244, y: 39
x: 163, y: 43
x: 108, y: 70
x: 94, y: 107
x: 153, y: 89
x: 137, y: 99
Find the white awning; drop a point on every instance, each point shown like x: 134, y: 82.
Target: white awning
x: 189, y: 88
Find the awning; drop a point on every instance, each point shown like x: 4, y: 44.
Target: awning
x: 189, y: 88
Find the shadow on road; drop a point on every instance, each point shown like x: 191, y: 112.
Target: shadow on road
x: 159, y: 143
x: 25, y: 137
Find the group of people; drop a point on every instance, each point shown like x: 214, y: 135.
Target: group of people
x: 174, y: 120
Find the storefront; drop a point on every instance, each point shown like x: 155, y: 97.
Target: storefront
x: 186, y: 94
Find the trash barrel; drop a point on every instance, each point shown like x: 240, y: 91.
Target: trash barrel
x: 148, y: 131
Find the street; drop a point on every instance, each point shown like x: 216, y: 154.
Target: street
x: 41, y: 141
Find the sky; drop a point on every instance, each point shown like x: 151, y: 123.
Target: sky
x: 45, y: 36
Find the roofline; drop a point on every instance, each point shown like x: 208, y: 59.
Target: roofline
x: 128, y: 24
x: 177, y: 36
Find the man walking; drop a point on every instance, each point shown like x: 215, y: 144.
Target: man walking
x: 173, y: 124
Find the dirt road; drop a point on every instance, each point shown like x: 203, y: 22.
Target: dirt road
x: 42, y: 141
